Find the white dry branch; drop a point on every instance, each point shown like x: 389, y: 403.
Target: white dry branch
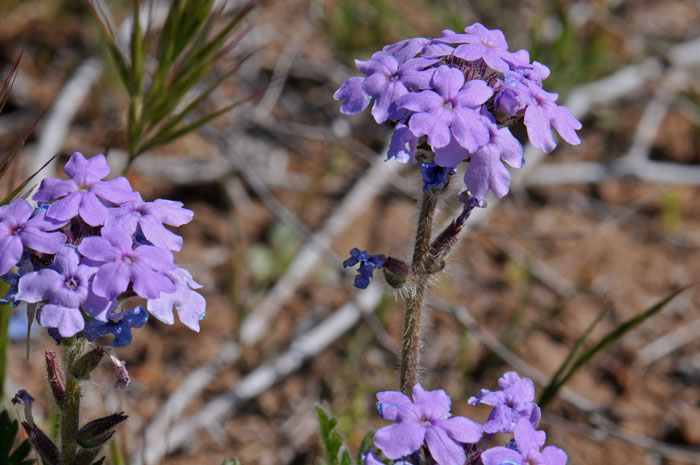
x: 352, y: 205
x: 262, y: 378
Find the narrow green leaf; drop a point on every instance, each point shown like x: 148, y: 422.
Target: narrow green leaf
x: 186, y: 129
x: 24, y: 183
x: 606, y: 341
x: 138, y: 49
x: 565, y: 364
x: 120, y: 61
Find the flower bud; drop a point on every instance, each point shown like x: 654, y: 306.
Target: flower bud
x: 97, y: 432
x: 44, y: 446
x: 87, y: 457
x: 87, y: 362
x: 57, y: 380
x: 396, y: 272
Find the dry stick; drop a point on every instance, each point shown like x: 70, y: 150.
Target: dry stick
x: 354, y: 203
x: 669, y: 342
x: 262, y: 378
x: 193, y: 385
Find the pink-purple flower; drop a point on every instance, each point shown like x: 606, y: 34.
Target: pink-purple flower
x: 19, y: 229
x: 64, y: 287
x: 515, y: 401
x: 424, y: 421
x: 120, y: 264
x: 84, y: 193
x: 528, y: 443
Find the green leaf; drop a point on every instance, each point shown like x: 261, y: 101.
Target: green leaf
x: 233, y: 461
x: 332, y: 442
x: 8, y: 436
x: 5, y: 312
x: 24, y: 183
x: 365, y: 445
x: 551, y: 390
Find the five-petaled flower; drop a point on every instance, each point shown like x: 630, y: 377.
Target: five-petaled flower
x: 425, y: 420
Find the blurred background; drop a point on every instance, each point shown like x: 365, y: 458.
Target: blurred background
x: 284, y: 186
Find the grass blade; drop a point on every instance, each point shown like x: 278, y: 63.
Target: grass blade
x: 606, y: 341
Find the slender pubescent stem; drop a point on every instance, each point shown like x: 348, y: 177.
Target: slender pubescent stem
x: 411, y: 344
x: 70, y: 411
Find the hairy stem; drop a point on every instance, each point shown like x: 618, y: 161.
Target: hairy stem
x: 410, y: 356
x: 70, y: 410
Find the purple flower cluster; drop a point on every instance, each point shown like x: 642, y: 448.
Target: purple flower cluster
x: 457, y: 93
x: 87, y: 246
x: 426, y: 422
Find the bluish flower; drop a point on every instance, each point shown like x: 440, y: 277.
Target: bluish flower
x: 435, y: 176
x: 367, y: 265
x: 119, y: 325
x: 512, y: 403
x: 425, y: 420
x: 528, y: 444
x: 84, y: 192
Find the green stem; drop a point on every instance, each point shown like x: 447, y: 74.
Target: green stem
x: 70, y: 411
x: 410, y: 355
x: 5, y: 312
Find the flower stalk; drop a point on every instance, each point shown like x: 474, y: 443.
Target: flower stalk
x: 410, y: 347
x: 70, y: 410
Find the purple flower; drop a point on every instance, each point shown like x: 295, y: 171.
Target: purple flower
x: 403, y: 144
x: 64, y: 286
x: 367, y: 265
x: 427, y: 421
x: 542, y: 113
x: 486, y: 170
x: 18, y: 228
x: 480, y: 43
x: 150, y: 217
x: 388, y: 79
x: 528, y: 443
x: 83, y: 193
x: 406, y: 49
x: 435, y: 176
x: 512, y: 403
x: 190, y: 305
x: 355, y: 99
x: 450, y: 111
x: 119, y: 265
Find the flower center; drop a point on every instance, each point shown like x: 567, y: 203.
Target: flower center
x: 17, y: 230
x: 127, y: 259
x: 71, y: 283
